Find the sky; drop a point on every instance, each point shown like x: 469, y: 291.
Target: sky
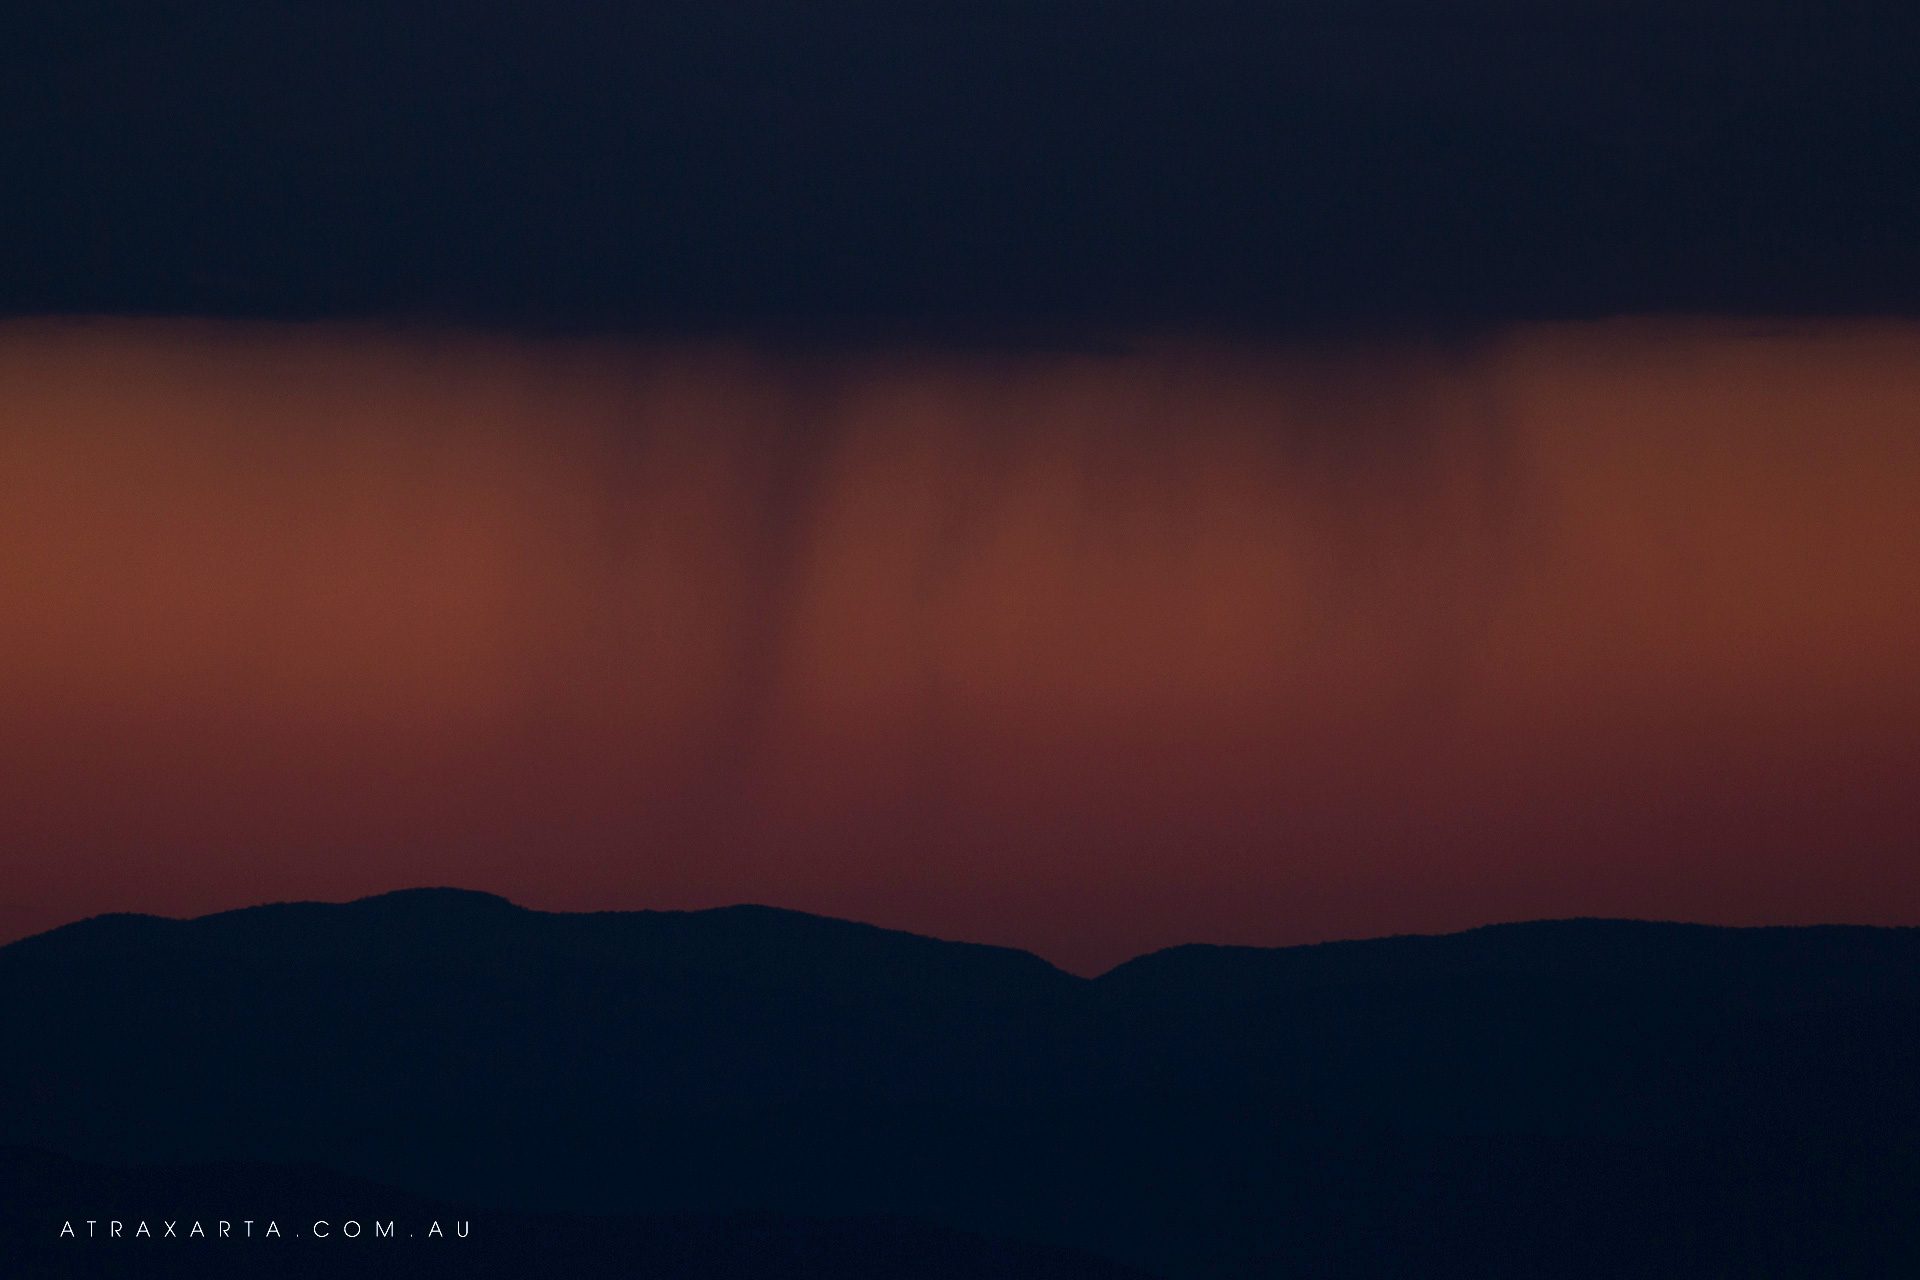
x: 956, y: 166
x: 1084, y: 652
x: 1085, y: 476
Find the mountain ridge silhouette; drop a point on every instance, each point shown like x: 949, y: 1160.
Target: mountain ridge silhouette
x: 1198, y: 1111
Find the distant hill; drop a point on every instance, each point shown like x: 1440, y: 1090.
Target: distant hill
x: 1576, y: 1097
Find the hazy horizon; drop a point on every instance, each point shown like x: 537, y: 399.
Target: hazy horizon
x: 1085, y: 653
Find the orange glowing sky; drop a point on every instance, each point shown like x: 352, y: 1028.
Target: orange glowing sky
x: 1088, y: 654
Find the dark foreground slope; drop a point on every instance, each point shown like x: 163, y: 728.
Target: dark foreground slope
x: 209, y: 1221
x: 1576, y: 1098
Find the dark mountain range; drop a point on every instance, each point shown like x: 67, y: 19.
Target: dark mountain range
x: 1578, y: 1097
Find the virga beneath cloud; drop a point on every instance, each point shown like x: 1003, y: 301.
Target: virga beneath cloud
x: 1084, y: 653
